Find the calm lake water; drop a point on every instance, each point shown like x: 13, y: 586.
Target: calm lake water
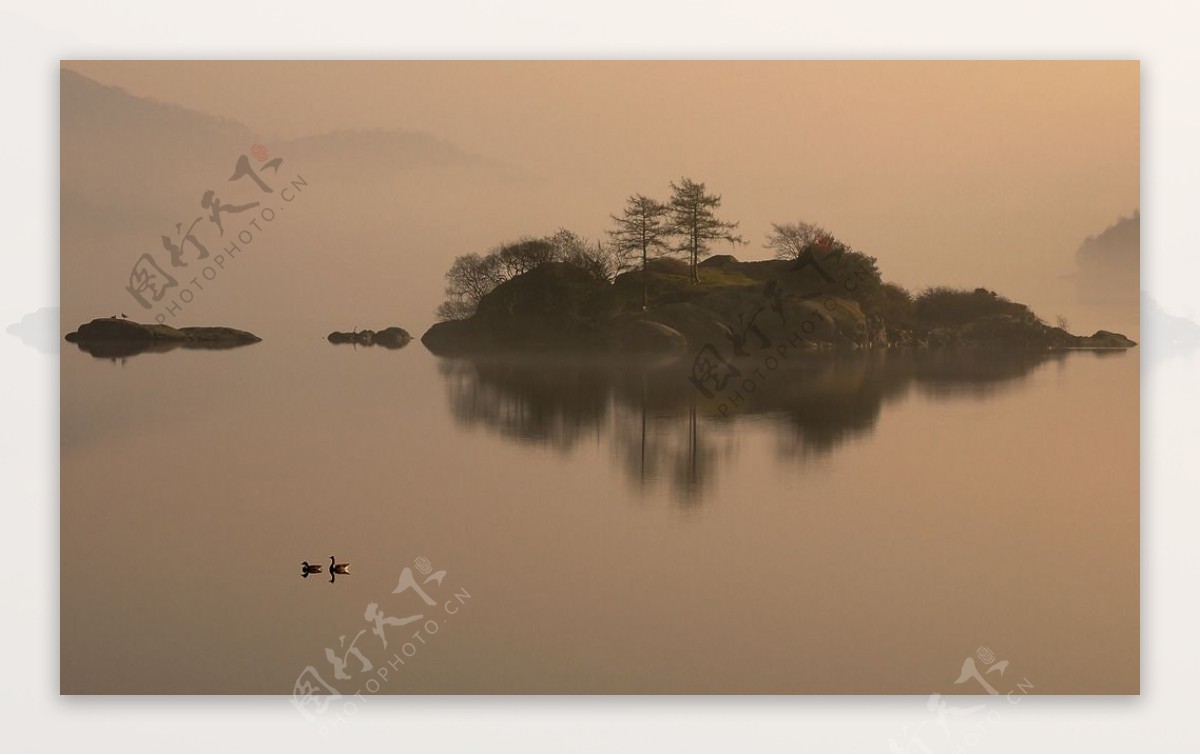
x: 860, y: 524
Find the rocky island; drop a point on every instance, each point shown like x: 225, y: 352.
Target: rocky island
x: 110, y: 337
x: 837, y: 302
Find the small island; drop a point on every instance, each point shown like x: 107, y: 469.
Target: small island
x: 389, y: 338
x: 654, y: 287
x: 110, y: 337
x: 742, y: 306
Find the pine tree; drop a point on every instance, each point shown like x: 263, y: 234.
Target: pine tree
x: 694, y: 221
x: 640, y: 229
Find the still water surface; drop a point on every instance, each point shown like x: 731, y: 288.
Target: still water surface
x: 859, y: 525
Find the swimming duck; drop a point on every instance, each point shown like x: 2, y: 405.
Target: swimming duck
x: 336, y: 568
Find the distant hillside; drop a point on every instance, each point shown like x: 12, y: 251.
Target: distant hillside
x: 127, y: 152
x: 1109, y: 263
x: 381, y: 152
x: 123, y: 152
x: 94, y: 112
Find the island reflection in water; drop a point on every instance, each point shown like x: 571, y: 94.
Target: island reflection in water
x: 663, y: 427
x: 114, y: 350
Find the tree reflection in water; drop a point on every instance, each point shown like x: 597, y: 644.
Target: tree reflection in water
x: 662, y: 428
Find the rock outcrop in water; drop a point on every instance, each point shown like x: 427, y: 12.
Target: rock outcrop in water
x: 389, y: 338
x: 114, y: 337
x: 739, y: 307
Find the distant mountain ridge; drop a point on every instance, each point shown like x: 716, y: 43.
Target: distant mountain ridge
x: 385, y: 149
x: 112, y: 111
x: 119, y: 148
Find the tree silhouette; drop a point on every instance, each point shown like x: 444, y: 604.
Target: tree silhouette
x: 790, y: 241
x: 641, y: 228
x: 694, y: 221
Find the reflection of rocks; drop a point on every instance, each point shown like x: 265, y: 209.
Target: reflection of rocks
x: 551, y: 402
x: 111, y: 337
x: 663, y: 428
x: 951, y: 374
x: 564, y: 402
x: 389, y: 338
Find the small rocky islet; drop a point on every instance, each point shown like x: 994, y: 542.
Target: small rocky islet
x: 110, y: 337
x: 117, y: 337
x: 389, y: 338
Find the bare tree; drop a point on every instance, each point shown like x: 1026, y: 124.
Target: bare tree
x: 521, y: 256
x: 567, y: 244
x: 469, y: 278
x: 641, y: 228
x: 456, y: 308
x: 599, y: 261
x: 790, y: 241
x: 694, y: 221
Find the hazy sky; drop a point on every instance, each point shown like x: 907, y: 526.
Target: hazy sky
x: 972, y: 173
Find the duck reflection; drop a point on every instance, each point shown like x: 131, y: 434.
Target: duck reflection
x: 662, y: 428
